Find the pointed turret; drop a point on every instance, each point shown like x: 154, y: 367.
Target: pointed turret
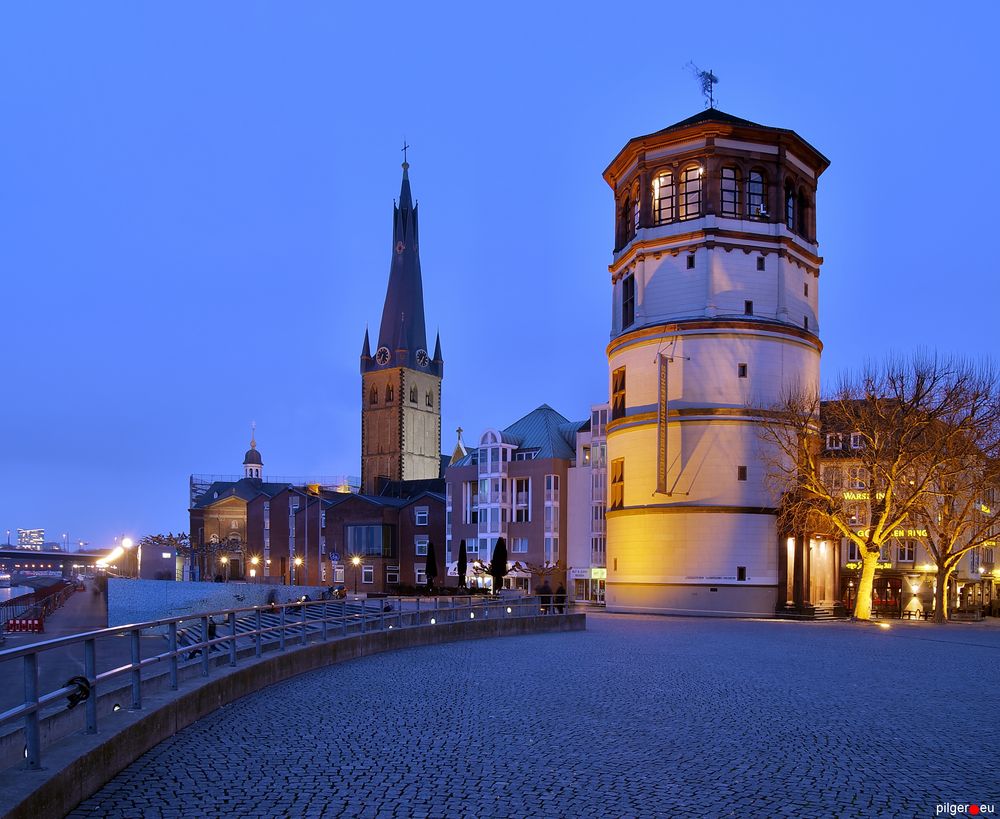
x: 437, y: 360
x: 366, y: 352
x: 402, y: 337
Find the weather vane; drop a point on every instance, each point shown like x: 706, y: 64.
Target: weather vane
x: 707, y: 80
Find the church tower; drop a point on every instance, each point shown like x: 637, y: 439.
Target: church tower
x: 715, y: 314
x: 253, y: 465
x: 401, y: 382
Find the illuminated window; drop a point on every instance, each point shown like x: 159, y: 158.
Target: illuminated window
x: 616, y: 498
x: 857, y: 477
x: 906, y: 551
x: 756, y: 206
x: 857, y: 514
x: 663, y: 198
x: 618, y: 393
x: 730, y: 192
x: 628, y: 301
x: 833, y: 478
x: 691, y: 192
x: 853, y: 552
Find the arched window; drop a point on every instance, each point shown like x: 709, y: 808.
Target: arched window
x: 413, y: 394
x: 635, y: 208
x: 730, y: 192
x: 429, y: 399
x: 663, y: 198
x: 389, y: 394
x: 691, y: 192
x: 802, y: 221
x: 373, y: 396
x: 627, y: 223
x: 790, y: 208
x: 756, y: 196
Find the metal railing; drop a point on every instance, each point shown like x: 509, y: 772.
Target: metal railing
x: 194, y: 640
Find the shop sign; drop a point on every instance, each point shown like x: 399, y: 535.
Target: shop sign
x: 854, y: 565
x: 579, y: 574
x: 598, y: 574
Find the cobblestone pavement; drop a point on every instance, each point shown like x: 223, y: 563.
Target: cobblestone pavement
x: 637, y: 716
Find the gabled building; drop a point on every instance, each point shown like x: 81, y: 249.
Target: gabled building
x: 516, y: 485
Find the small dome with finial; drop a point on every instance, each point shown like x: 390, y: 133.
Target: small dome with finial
x: 252, y: 462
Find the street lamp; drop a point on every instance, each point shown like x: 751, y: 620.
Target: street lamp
x: 253, y: 562
x: 126, y: 545
x: 225, y: 566
x: 356, y: 562
x: 297, y: 562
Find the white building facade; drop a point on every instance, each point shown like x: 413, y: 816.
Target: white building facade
x: 715, y: 314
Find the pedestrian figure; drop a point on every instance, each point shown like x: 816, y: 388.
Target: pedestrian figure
x: 545, y: 593
x: 560, y: 599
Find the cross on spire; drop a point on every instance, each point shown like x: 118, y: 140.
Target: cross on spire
x: 405, y: 146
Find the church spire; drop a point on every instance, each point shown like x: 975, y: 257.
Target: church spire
x: 402, y: 337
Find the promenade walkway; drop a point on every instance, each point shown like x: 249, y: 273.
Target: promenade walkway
x: 637, y: 716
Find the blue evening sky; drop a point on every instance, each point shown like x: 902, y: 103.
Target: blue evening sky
x: 195, y: 211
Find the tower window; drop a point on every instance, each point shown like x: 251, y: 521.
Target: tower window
x: 429, y: 399
x: 616, y: 497
x: 388, y: 394
x: 373, y: 396
x: 663, y: 198
x: 741, y: 573
x: 748, y: 308
x: 413, y: 394
x: 805, y: 289
x: 760, y: 262
x: 730, y: 192
x: 628, y: 301
x: 741, y: 473
x: 790, y: 208
x: 756, y: 206
x: 618, y: 393
x: 741, y: 370
x: 803, y: 204
x: 690, y: 262
x: 635, y: 208
x: 691, y: 192
x: 805, y: 322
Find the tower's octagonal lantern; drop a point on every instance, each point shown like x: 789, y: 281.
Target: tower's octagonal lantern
x: 715, y: 316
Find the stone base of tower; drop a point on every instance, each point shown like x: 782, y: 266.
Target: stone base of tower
x: 708, y: 561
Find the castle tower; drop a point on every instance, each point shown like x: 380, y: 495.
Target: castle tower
x: 253, y: 465
x: 401, y: 383
x: 715, y: 313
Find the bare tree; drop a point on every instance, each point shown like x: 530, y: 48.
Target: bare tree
x: 909, y: 416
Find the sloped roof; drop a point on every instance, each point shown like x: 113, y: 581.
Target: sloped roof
x: 246, y: 489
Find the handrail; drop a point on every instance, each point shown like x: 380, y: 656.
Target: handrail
x: 307, y: 620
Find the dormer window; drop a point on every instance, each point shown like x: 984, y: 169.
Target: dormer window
x: 663, y: 198
x: 730, y: 192
x: 834, y: 440
x: 691, y: 192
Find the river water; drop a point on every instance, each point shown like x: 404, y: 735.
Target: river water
x: 14, y: 591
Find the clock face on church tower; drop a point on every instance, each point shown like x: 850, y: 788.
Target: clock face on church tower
x: 382, y: 356
x: 422, y: 358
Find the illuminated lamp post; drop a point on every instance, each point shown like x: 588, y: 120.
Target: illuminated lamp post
x: 298, y: 563
x: 356, y: 562
x: 225, y: 567
x: 253, y: 562
x: 127, y: 545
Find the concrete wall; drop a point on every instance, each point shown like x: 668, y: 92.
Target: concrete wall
x: 136, y: 601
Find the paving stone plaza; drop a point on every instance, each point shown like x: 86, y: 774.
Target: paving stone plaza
x: 637, y: 716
